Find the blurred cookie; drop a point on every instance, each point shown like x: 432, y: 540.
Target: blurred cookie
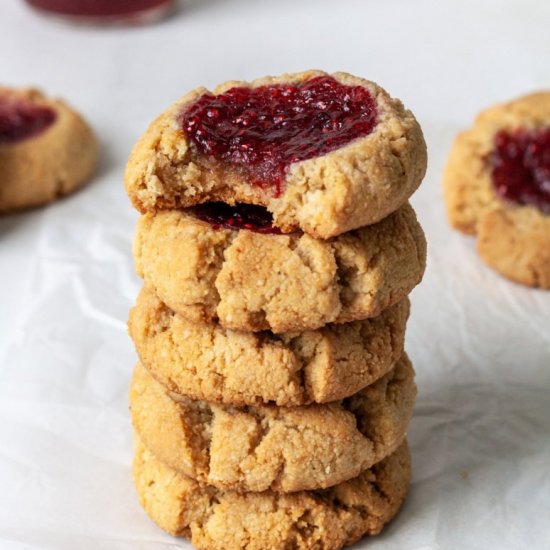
x: 327, y: 519
x: 497, y: 185
x: 284, y: 449
x: 323, y: 153
x: 253, y: 281
x: 205, y: 361
x: 46, y: 149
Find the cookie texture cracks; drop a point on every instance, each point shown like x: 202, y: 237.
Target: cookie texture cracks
x: 252, y: 282
x: 46, y: 149
x: 284, y: 449
x: 360, y: 159
x: 224, y: 520
x: 206, y: 361
x: 496, y: 186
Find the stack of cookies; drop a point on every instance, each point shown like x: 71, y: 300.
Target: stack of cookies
x: 277, y: 248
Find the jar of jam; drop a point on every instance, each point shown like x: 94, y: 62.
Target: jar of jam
x: 132, y: 12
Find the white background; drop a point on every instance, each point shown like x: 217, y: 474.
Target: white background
x: 481, y: 345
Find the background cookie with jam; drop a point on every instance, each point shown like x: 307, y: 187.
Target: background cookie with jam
x: 497, y: 185
x: 47, y: 150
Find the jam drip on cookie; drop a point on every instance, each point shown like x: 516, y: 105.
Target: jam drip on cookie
x: 521, y: 167
x: 260, y: 131
x: 240, y: 216
x: 21, y: 119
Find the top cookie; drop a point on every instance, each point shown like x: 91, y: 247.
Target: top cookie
x: 323, y: 153
x: 46, y: 149
x: 496, y: 186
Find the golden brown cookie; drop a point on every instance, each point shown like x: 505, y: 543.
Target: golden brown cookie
x: 252, y: 281
x: 46, y: 149
x: 205, y: 361
x: 497, y: 185
x: 323, y: 153
x: 327, y: 519
x: 284, y: 449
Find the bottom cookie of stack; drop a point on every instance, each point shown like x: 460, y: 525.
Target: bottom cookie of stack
x: 326, y: 519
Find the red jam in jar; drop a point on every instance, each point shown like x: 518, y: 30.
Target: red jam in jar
x: 105, y: 11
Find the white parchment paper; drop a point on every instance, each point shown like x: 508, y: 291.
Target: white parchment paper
x: 481, y: 345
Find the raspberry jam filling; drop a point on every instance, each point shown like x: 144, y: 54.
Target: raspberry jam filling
x: 260, y: 131
x: 21, y: 119
x: 241, y: 216
x: 521, y: 167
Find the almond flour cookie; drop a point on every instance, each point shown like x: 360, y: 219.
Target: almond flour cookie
x: 284, y: 449
x: 254, y: 281
x: 46, y: 149
x: 323, y: 153
x: 205, y: 361
x: 497, y: 185
x: 327, y: 519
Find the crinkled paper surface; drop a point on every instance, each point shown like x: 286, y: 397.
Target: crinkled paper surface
x: 481, y: 345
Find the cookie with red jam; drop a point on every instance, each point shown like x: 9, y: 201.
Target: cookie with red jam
x: 326, y: 519
x: 228, y: 264
x: 497, y: 186
x: 283, y: 449
x: 207, y: 362
x: 323, y: 153
x: 46, y: 149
